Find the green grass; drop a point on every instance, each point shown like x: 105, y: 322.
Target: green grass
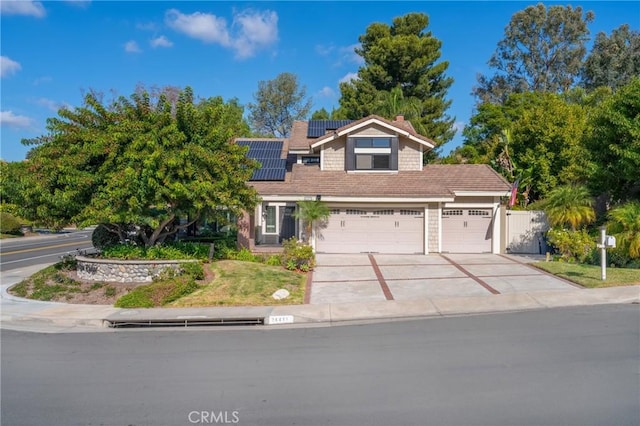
x: 590, y: 275
x: 159, y: 293
x: 238, y: 283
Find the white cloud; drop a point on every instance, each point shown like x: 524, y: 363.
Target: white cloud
x: 132, y: 47
x: 8, y: 66
x: 348, y: 77
x: 161, y: 41
x: 348, y: 54
x: 202, y: 26
x: 9, y: 119
x: 326, y: 92
x: 256, y: 30
x: 22, y: 7
x: 251, y: 30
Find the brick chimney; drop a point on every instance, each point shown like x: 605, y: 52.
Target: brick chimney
x: 399, y: 118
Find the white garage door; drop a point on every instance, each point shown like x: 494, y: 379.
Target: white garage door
x: 466, y: 230
x: 373, y: 231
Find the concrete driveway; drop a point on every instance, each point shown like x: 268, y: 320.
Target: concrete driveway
x: 376, y: 277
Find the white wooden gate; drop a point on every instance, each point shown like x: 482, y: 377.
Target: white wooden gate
x: 525, y: 232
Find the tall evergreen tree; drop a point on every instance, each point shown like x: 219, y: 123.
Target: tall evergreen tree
x: 542, y: 51
x: 405, y: 57
x: 613, y: 60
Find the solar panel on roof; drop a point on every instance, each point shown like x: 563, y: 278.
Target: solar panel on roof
x: 267, y: 153
x: 317, y: 128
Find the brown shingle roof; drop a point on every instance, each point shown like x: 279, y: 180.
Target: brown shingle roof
x: 402, y: 125
x: 298, y: 139
x: 466, y: 177
x: 433, y: 181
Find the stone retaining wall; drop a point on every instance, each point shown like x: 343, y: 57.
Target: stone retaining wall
x: 123, y: 271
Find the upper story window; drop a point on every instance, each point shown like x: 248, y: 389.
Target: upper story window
x: 373, y: 143
x: 309, y: 159
x: 370, y: 153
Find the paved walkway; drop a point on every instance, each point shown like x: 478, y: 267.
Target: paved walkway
x: 381, y: 304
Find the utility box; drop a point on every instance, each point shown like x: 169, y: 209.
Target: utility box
x: 610, y: 241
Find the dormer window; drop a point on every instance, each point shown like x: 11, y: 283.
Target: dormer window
x: 372, y: 153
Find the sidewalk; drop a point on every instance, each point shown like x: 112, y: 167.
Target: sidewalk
x: 50, y: 317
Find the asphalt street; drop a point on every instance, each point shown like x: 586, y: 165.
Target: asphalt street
x: 570, y: 366
x: 23, y: 252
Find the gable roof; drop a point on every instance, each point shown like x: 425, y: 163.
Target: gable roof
x: 434, y: 182
x: 399, y: 127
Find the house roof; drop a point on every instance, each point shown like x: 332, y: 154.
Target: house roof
x: 435, y: 181
x: 461, y: 178
x: 399, y: 126
x: 299, y: 141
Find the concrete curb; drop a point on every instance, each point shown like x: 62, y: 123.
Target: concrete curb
x: 95, y: 318
x: 51, y: 317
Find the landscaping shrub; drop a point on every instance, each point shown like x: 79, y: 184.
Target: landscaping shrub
x: 572, y: 245
x: 273, y: 260
x: 177, y: 251
x: 297, y: 255
x: 139, y: 297
x: 193, y: 269
x: 102, y: 238
x: 9, y: 224
x: 123, y: 251
x: 245, y: 255
x: 165, y: 289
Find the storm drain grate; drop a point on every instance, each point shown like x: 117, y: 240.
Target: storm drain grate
x: 184, y: 322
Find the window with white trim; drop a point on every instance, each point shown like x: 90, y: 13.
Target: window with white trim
x: 270, y: 219
x: 372, y: 153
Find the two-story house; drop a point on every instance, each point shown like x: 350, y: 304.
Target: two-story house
x: 382, y: 198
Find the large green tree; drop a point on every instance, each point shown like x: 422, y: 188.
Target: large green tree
x: 278, y: 103
x: 144, y: 161
x: 401, y: 62
x: 614, y: 144
x: 542, y: 50
x: 613, y: 60
x: 544, y: 143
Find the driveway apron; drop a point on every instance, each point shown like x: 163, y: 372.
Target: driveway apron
x: 377, y: 277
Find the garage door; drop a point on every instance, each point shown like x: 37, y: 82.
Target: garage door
x: 466, y: 230
x: 373, y: 231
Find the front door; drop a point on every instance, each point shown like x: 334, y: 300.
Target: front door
x: 287, y: 223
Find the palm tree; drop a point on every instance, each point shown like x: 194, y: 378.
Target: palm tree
x: 624, y: 223
x: 310, y: 212
x: 393, y: 103
x: 568, y: 205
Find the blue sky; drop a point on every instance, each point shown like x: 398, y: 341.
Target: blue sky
x: 54, y: 51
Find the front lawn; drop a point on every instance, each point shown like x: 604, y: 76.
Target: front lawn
x: 238, y: 283
x: 227, y: 283
x: 589, y: 275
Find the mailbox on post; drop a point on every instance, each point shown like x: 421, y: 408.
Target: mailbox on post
x: 610, y: 241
